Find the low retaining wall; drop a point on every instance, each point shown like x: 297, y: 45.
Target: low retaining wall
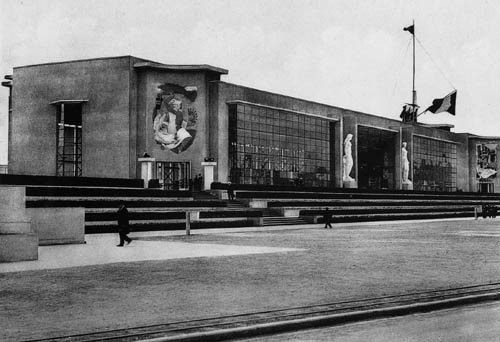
x: 56, y: 226
x: 18, y: 241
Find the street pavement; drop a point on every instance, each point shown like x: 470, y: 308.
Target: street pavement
x: 479, y: 322
x: 166, y: 277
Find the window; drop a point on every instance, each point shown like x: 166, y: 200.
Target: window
x: 269, y: 147
x: 69, y: 139
x: 434, y: 165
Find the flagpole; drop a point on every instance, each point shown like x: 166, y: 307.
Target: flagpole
x: 425, y: 111
x: 414, y: 92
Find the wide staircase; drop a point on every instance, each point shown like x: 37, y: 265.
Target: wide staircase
x: 271, y: 217
x: 356, y: 205
x: 150, y: 209
x: 155, y: 209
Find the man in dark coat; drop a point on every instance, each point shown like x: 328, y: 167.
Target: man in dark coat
x: 123, y: 227
x: 230, y: 192
x: 328, y: 218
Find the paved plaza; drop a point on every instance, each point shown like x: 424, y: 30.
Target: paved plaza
x: 166, y: 277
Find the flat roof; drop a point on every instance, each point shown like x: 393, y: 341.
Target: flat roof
x: 283, y: 109
x: 182, y: 67
x: 145, y: 63
x: 484, y: 137
x: 74, y: 61
x: 437, y: 125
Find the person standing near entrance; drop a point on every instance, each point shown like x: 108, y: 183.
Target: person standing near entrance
x: 230, y: 192
x: 328, y: 218
x: 123, y: 225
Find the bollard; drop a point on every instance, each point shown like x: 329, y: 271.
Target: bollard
x: 188, y: 223
x: 475, y: 213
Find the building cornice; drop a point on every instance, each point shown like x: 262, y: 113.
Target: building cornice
x: 185, y: 67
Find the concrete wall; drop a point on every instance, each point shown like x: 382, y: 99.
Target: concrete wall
x: 118, y: 119
x: 148, y: 81
x: 56, y: 226
x: 222, y: 92
x: 105, y: 119
x: 12, y: 205
x: 18, y: 241
x: 352, y: 120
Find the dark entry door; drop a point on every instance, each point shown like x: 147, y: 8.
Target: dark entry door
x: 376, y: 158
x: 174, y: 175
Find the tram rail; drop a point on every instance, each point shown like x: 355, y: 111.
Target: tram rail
x: 310, y: 315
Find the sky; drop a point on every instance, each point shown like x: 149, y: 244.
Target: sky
x: 351, y: 54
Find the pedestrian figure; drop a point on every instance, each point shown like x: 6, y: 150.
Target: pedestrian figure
x: 200, y: 182
x: 123, y: 225
x: 196, y: 182
x: 230, y: 192
x: 328, y: 218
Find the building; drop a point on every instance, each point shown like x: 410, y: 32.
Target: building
x: 127, y: 117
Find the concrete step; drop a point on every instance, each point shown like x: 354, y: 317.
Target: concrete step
x: 115, y: 203
x: 110, y: 227
x: 55, y: 191
x: 105, y: 198
x: 376, y: 210
x: 280, y: 221
x: 166, y: 222
x: 361, y: 202
x: 204, y: 195
x: 235, y: 204
x: 398, y: 216
x: 290, y: 195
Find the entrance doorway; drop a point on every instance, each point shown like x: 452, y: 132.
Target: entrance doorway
x: 485, y: 187
x: 174, y: 175
x: 376, y: 158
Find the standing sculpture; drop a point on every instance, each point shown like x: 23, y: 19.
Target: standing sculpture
x: 347, y: 159
x: 405, y: 164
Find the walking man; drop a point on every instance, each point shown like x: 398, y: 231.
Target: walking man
x: 123, y: 226
x: 328, y: 218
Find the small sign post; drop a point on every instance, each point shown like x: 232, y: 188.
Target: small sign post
x: 188, y: 223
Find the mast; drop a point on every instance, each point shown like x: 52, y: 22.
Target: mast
x: 414, y: 92
x: 409, y: 113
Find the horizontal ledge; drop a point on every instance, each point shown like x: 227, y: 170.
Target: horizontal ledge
x: 68, y: 101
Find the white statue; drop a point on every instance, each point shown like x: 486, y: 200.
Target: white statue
x: 347, y: 159
x: 405, y: 164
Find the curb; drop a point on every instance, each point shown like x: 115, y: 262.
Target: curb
x: 326, y: 320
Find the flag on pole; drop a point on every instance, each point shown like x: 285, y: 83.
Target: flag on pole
x: 410, y: 29
x: 446, y: 104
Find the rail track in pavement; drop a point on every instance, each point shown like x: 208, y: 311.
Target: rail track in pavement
x: 280, y: 320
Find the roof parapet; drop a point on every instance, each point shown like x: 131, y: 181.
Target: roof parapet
x: 185, y: 67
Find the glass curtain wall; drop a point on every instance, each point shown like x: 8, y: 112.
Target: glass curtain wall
x: 277, y: 147
x: 434, y: 165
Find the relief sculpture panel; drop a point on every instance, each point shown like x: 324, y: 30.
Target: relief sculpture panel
x: 174, y: 117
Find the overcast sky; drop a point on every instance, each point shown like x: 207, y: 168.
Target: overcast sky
x: 352, y: 54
